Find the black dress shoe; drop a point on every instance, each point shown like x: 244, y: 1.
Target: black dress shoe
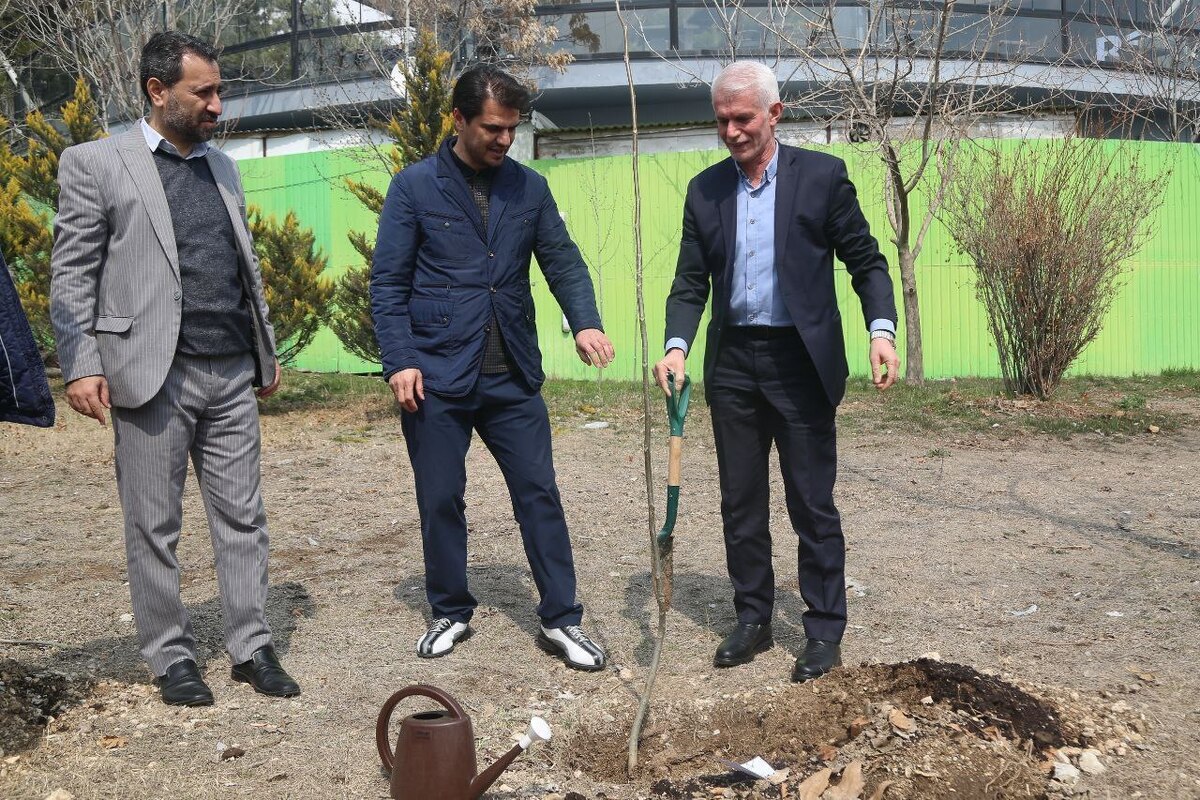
x: 819, y: 657
x: 265, y: 674
x: 740, y: 646
x: 183, y: 686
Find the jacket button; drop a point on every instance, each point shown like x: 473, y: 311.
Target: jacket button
x: 491, y: 255
x: 177, y: 294
x: 445, y: 224
x: 492, y: 289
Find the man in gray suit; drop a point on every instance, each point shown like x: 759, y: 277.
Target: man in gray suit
x: 158, y: 306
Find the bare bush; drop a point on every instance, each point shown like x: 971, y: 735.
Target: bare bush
x: 1049, y: 227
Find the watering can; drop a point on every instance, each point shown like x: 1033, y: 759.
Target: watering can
x: 434, y: 757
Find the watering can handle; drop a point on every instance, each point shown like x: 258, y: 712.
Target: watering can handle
x: 385, y: 715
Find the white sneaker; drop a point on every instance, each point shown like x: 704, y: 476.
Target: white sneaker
x: 441, y: 637
x: 573, y: 646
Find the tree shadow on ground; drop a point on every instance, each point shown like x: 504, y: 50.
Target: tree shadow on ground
x: 707, y: 600
x: 504, y: 588
x: 116, y: 658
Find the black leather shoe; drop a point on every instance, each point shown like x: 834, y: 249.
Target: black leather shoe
x: 265, y: 674
x: 183, y: 686
x: 819, y: 657
x: 740, y: 646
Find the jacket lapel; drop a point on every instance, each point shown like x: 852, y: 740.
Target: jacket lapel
x: 139, y: 161
x: 502, y: 191
x: 787, y: 185
x: 223, y: 180
x: 727, y: 209
x: 454, y: 185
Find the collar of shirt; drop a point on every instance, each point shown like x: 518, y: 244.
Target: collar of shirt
x: 768, y: 174
x: 155, y: 140
x: 487, y: 173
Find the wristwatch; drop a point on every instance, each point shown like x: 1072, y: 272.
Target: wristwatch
x: 883, y: 334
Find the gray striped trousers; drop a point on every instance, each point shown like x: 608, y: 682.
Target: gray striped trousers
x: 205, y: 410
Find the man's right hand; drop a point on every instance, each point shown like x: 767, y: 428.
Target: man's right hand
x: 672, y: 362
x: 89, y: 396
x: 408, y: 388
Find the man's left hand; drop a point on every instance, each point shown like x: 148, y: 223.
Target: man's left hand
x: 269, y: 390
x: 594, y: 348
x: 883, y: 353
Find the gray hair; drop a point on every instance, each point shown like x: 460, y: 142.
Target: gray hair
x: 747, y: 76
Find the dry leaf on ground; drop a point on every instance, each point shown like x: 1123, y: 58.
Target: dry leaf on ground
x: 901, y: 721
x: 814, y: 785
x: 850, y: 787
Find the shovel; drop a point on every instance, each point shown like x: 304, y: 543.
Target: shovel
x: 677, y: 405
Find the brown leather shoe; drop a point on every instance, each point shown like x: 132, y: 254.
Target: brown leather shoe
x: 265, y: 674
x: 742, y: 644
x: 819, y: 657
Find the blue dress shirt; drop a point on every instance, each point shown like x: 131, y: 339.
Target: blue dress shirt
x: 154, y: 140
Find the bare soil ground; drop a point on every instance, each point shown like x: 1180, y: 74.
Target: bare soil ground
x: 1058, y: 579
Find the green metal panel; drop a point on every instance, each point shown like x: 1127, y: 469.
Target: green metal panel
x: 1145, y: 332
x: 313, y: 185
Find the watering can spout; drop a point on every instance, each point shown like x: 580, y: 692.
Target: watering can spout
x: 538, y: 731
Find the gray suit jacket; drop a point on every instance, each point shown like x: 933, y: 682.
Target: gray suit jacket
x: 115, y: 293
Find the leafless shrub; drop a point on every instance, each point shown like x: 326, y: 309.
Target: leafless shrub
x: 1049, y: 227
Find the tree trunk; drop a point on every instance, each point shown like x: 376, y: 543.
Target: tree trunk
x: 914, y: 356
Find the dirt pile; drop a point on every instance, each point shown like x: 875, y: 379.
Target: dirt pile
x: 922, y: 730
x: 29, y: 699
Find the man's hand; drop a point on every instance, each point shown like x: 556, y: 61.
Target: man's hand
x: 883, y: 353
x: 672, y: 362
x: 408, y: 388
x: 89, y: 396
x: 594, y: 348
x: 269, y: 390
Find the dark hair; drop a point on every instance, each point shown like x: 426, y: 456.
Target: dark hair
x: 481, y: 83
x: 162, y: 57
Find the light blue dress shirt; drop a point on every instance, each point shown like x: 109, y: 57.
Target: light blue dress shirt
x: 755, y: 297
x: 154, y: 139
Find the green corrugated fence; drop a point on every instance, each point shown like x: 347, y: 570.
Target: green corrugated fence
x: 1145, y: 333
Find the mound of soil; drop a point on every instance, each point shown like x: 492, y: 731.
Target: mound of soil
x: 923, y: 729
x: 28, y: 700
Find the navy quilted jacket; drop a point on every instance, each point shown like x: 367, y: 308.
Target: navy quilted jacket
x: 24, y: 393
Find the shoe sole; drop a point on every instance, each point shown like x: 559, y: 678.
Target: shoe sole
x: 835, y: 665
x: 466, y: 635
x: 239, y: 679
x: 553, y: 648
x: 207, y: 701
x: 761, y: 647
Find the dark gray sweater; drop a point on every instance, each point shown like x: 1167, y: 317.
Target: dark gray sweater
x: 216, y: 317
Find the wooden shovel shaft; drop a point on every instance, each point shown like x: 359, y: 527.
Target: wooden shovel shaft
x: 675, y: 460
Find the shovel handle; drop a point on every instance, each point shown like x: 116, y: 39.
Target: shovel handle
x: 675, y: 461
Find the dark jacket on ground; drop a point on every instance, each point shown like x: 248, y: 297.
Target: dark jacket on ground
x: 24, y: 393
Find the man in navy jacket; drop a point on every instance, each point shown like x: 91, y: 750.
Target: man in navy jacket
x: 24, y: 393
x: 454, y: 318
x: 762, y: 228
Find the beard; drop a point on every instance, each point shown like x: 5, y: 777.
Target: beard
x: 187, y: 127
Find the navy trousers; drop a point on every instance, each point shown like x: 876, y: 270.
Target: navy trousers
x: 764, y: 389
x: 513, y: 424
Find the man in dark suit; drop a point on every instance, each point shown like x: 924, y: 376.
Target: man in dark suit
x: 763, y: 227
x: 455, y: 322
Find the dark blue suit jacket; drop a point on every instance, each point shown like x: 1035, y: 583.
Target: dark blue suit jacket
x: 24, y: 393
x: 817, y: 215
x: 438, y: 276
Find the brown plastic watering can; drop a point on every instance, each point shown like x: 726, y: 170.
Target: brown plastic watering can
x: 434, y: 757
